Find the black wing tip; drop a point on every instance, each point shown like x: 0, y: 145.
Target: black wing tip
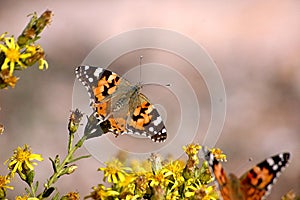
x: 78, y: 70
x: 159, y: 139
x: 286, y: 155
x: 161, y: 136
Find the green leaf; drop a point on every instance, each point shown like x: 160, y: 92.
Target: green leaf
x: 36, y: 186
x: 79, y: 158
x: 30, y: 177
x: 55, y: 163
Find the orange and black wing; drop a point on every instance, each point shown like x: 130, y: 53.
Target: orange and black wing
x: 102, y: 86
x: 256, y: 184
x: 145, y: 120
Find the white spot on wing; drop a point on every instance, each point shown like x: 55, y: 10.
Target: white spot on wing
x: 97, y: 72
x: 91, y: 79
x: 86, y: 67
x: 281, y: 156
x: 157, y: 121
x: 270, y: 161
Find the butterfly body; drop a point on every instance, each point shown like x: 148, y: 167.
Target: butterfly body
x: 255, y: 184
x: 119, y: 106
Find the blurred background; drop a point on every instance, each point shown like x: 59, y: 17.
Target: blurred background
x: 255, y: 45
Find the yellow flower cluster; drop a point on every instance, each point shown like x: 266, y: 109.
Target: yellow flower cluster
x: 20, y: 54
x: 170, y: 180
x: 18, y: 58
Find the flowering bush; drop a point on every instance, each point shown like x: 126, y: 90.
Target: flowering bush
x: 158, y: 179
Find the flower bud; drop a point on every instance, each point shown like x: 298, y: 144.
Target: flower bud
x: 34, y: 28
x: 74, y: 121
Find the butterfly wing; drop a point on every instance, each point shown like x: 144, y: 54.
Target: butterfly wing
x: 145, y: 120
x: 103, y: 87
x: 257, y: 182
x: 221, y: 178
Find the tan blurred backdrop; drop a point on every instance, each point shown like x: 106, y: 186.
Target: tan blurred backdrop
x: 255, y: 44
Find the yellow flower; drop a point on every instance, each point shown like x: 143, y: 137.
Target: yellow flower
x: 127, y: 187
x: 101, y: 193
x: 199, y: 191
x: 218, y: 154
x: 127, y: 180
x: 12, y: 55
x: 4, y: 180
x: 25, y: 197
x: 114, y: 171
x: 21, y: 161
x: 191, y: 149
x: 160, y: 178
x: 176, y: 168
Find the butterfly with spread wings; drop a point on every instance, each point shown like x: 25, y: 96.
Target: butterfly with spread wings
x: 118, y: 106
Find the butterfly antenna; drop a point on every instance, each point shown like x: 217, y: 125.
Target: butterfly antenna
x: 141, y: 58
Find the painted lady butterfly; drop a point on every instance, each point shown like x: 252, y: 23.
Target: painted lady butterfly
x: 255, y: 184
x: 119, y: 106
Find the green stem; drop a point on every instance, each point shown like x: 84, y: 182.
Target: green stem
x: 70, y: 143
x: 60, y: 168
x: 32, y: 190
x: 65, y: 161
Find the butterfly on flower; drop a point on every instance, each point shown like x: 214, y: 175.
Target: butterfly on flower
x: 255, y: 184
x: 118, y: 106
